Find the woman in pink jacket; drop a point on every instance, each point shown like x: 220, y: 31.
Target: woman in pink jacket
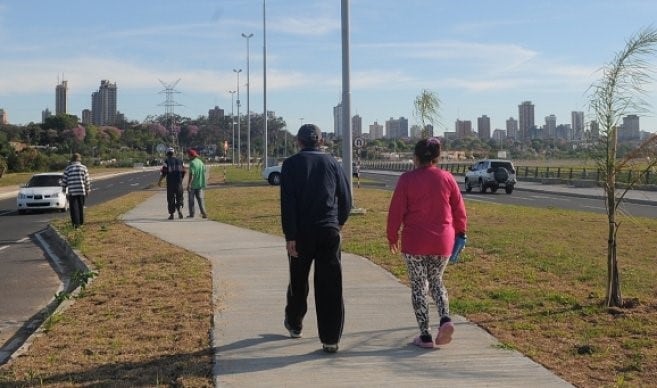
x: 428, y: 208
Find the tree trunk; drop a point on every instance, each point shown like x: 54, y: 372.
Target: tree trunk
x: 614, y: 298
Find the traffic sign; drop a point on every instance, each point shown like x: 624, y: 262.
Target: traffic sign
x: 161, y: 147
x: 359, y: 142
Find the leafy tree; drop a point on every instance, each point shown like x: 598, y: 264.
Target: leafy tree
x: 618, y: 93
x: 426, y: 106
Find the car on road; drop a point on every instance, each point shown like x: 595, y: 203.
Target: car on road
x: 42, y: 192
x: 491, y: 174
x: 272, y: 174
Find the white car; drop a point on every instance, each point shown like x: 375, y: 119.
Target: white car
x: 272, y: 174
x: 42, y: 192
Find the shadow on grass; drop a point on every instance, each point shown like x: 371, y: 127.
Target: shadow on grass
x: 169, y: 370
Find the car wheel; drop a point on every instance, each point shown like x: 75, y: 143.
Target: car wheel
x: 21, y: 211
x: 493, y: 189
x: 274, y: 179
x: 482, y: 187
x: 468, y: 186
x: 501, y: 174
x: 508, y: 189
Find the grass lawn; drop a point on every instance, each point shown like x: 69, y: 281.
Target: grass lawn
x: 534, y: 278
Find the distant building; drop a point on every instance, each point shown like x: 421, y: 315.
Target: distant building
x: 3, y: 117
x: 61, y: 99
x: 376, y: 131
x: 577, y: 123
x: 550, y: 131
x: 215, y: 114
x: 563, y: 131
x: 463, y: 129
x: 594, y: 130
x: 483, y: 127
x: 337, y: 120
x: 45, y: 114
x: 86, y: 116
x: 525, y: 120
x: 416, y: 131
x: 512, y: 128
x: 356, y: 126
x: 499, y: 135
x: 397, y: 128
x: 630, y: 129
x: 103, y: 104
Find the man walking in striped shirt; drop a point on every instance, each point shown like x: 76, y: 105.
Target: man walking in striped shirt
x: 76, y: 179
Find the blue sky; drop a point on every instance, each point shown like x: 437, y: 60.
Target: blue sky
x: 479, y: 56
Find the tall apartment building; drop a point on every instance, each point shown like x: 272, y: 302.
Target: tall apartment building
x: 463, y: 129
x: 103, y: 104
x: 215, y: 114
x: 483, y: 127
x: 577, y: 124
x: 525, y: 120
x: 86, y: 116
x: 499, y: 135
x: 512, y: 128
x: 550, y: 128
x: 45, y: 114
x: 376, y: 131
x: 3, y: 117
x: 630, y: 129
x: 61, y: 98
x: 397, y: 128
x: 356, y: 126
x: 594, y: 130
x: 337, y: 120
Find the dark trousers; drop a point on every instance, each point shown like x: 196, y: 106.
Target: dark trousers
x: 323, y: 247
x: 76, y: 208
x: 198, y: 194
x: 174, y: 198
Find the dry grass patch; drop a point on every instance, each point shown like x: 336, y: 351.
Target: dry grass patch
x: 534, y: 278
x: 144, y: 320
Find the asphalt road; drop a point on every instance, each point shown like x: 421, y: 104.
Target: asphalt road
x: 533, y: 199
x: 28, y: 280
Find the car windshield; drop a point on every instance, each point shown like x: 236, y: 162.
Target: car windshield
x: 44, y: 181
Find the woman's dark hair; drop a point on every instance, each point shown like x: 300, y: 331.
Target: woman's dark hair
x: 427, y: 150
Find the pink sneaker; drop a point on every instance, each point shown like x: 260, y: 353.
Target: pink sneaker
x: 418, y: 342
x: 445, y: 332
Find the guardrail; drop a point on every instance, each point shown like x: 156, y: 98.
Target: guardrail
x: 530, y: 173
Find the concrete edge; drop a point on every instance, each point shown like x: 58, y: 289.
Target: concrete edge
x: 65, y: 263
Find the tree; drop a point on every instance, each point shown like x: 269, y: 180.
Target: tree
x: 426, y: 106
x: 618, y: 93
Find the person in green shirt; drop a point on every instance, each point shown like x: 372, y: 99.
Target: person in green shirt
x: 196, y: 183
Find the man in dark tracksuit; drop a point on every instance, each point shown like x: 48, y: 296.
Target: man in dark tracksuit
x: 315, y: 203
x: 174, y: 172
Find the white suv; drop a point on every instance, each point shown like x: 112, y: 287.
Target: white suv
x: 491, y: 173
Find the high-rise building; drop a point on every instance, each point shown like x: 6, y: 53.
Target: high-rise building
x: 577, y: 123
x: 499, y: 135
x: 463, y: 129
x: 594, y: 130
x: 630, y: 129
x: 397, y: 128
x: 45, y: 114
x: 61, y: 98
x: 512, y: 128
x: 86, y: 116
x: 483, y: 127
x: 215, y: 114
x: 103, y: 104
x: 356, y: 126
x: 337, y: 120
x: 3, y: 117
x: 525, y: 120
x: 376, y: 131
x: 550, y: 129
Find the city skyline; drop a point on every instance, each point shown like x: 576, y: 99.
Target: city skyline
x: 481, y: 58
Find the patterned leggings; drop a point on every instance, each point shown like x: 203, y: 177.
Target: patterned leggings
x: 426, y: 274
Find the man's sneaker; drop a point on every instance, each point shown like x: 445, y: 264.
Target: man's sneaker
x: 422, y: 342
x: 330, y: 348
x: 180, y: 215
x: 171, y: 216
x: 190, y: 216
x: 204, y: 216
x: 445, y: 332
x: 293, y: 333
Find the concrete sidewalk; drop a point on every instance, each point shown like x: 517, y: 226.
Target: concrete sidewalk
x: 253, y: 349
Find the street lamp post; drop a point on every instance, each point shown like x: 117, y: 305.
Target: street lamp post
x: 239, y: 134
x: 232, y: 122
x: 248, y: 111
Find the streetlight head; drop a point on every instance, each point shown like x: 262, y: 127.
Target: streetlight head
x: 247, y: 36
x: 237, y: 70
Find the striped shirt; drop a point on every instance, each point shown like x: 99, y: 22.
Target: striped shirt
x: 76, y: 178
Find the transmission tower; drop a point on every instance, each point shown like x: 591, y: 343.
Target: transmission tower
x: 169, y: 104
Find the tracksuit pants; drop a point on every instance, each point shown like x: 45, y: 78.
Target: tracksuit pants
x: 76, y: 208
x: 321, y: 246
x: 174, y: 198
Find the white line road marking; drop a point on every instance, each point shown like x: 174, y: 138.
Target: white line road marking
x: 549, y: 197
x: 595, y: 207
x: 23, y: 240
x: 4, y: 247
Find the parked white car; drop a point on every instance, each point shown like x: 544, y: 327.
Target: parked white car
x: 42, y: 192
x: 491, y: 174
x: 272, y: 174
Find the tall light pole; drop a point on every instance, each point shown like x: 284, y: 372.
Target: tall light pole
x: 232, y: 122
x: 239, y: 133
x: 248, y: 110
x: 264, y: 76
x: 346, y: 96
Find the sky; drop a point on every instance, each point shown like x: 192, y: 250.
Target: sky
x: 480, y: 57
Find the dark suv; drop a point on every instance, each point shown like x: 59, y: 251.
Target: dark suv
x: 491, y: 173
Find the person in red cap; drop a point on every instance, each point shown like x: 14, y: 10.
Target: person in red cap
x: 196, y: 183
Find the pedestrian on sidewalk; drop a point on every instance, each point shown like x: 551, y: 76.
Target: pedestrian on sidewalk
x: 173, y: 171
x: 428, y: 207
x: 76, y: 180
x: 196, y: 183
x: 315, y: 204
